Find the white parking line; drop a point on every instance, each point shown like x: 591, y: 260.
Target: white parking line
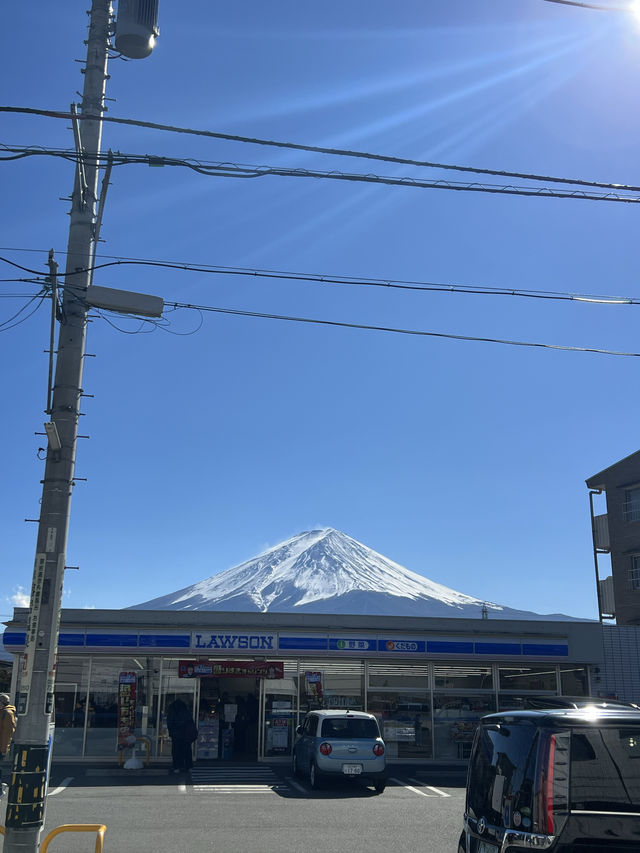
x: 435, y: 790
x: 409, y: 787
x: 60, y: 787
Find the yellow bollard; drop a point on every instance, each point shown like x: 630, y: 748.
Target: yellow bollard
x: 98, y: 828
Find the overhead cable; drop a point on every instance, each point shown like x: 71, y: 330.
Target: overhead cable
x: 359, y: 281
x: 397, y: 331
x: 315, y: 149
x: 238, y: 170
x: 9, y: 323
x: 343, y: 324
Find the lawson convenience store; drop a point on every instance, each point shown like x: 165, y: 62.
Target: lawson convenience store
x: 250, y: 678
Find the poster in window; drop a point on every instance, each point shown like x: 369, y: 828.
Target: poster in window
x: 127, y: 683
x: 313, y: 688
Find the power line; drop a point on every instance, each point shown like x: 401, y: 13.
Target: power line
x: 238, y: 170
x: 8, y: 324
x: 358, y: 281
x: 163, y: 324
x: 398, y: 331
x: 342, y: 324
x: 315, y: 149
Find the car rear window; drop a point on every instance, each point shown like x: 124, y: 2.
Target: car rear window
x: 605, y: 769
x: 344, y: 727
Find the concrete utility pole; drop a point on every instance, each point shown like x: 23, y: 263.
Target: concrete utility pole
x: 32, y: 750
x: 135, y: 38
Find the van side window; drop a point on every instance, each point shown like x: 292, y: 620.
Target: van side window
x: 502, y: 772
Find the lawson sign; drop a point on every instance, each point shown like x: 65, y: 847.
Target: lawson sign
x: 239, y: 642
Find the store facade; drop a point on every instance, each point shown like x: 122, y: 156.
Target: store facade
x: 251, y: 678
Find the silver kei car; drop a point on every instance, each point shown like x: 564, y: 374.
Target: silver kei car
x: 345, y: 744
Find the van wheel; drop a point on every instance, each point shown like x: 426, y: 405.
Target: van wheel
x: 380, y: 785
x: 314, y: 776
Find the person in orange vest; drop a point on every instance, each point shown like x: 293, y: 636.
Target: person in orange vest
x: 7, y: 728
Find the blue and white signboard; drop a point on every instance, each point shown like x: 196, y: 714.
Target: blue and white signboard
x: 352, y: 644
x: 403, y: 645
x: 218, y: 641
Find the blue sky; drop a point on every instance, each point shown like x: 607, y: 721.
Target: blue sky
x: 463, y: 461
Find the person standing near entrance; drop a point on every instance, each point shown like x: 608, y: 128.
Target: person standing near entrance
x: 7, y: 728
x: 182, y: 731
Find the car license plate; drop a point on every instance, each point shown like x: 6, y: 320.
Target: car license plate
x: 485, y: 847
x: 352, y: 769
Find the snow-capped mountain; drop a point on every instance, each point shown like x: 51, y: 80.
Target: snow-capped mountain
x: 326, y: 571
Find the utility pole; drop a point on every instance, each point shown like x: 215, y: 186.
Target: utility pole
x: 35, y: 701
x: 32, y: 750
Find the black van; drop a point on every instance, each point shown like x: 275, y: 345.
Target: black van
x: 556, y: 779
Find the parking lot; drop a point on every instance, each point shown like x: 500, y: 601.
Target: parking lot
x: 254, y: 808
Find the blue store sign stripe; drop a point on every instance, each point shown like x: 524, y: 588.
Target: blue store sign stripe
x: 165, y: 641
x: 300, y: 643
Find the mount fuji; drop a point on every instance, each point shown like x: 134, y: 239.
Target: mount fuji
x: 326, y: 571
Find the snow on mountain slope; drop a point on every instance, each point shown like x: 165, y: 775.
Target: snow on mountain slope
x: 326, y: 571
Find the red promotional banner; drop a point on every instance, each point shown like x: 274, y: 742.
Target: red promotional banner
x: 127, y: 682
x: 313, y: 682
x: 230, y: 669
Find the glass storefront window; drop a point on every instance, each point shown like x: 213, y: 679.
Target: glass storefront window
x: 463, y: 677
x: 574, y: 681
x: 331, y: 684
x: 455, y: 718
x: 87, y: 694
x: 405, y: 722
x: 398, y: 676
x: 173, y: 688
x: 102, y: 716
x: 528, y: 678
x: 70, y: 706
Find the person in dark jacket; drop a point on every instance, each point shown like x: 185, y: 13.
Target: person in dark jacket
x: 182, y: 731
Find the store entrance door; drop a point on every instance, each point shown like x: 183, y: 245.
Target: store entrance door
x: 228, y: 719
x: 172, y: 688
x: 279, y: 713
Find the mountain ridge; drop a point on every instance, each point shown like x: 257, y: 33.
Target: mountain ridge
x: 327, y: 571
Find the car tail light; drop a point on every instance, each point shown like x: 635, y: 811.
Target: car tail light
x: 378, y: 749
x: 545, y: 794
x: 325, y: 748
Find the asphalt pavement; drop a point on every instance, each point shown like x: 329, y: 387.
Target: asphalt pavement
x: 252, y: 808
